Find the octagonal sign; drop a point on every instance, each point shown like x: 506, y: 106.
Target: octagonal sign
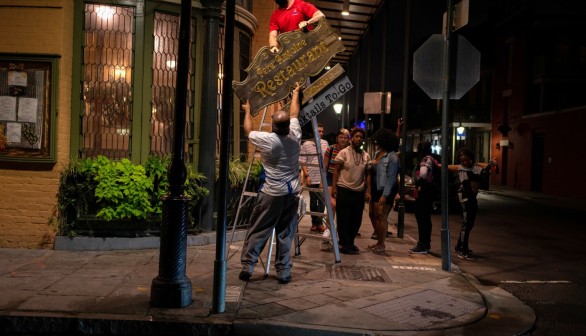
x: 429, y: 70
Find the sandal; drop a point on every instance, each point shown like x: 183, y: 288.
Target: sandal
x: 377, y: 248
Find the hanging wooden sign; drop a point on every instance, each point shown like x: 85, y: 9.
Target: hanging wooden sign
x: 271, y: 77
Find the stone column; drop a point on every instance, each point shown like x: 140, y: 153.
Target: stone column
x: 209, y: 108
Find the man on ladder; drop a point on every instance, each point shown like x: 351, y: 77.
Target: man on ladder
x: 277, y: 203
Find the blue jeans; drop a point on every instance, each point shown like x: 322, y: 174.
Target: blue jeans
x: 469, y: 210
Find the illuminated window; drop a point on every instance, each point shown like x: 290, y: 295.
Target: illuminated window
x: 111, y: 112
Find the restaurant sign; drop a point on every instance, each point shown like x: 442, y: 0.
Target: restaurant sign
x: 272, y: 76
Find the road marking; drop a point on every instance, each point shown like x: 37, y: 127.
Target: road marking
x: 537, y: 282
x: 415, y: 268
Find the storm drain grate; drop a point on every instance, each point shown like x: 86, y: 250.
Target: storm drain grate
x: 422, y: 309
x: 358, y: 273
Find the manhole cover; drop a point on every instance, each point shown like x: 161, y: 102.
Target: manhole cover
x: 358, y: 273
x: 422, y: 309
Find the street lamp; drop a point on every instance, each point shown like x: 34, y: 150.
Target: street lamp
x: 338, y: 108
x: 461, y: 132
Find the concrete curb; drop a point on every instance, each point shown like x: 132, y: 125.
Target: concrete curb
x: 507, y: 315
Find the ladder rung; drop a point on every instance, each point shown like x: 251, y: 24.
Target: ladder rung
x: 312, y: 235
x: 313, y: 189
x: 250, y: 193
x: 318, y: 214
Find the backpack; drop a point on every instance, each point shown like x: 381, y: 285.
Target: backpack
x: 434, y: 178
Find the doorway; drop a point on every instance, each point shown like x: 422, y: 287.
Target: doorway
x: 537, y: 161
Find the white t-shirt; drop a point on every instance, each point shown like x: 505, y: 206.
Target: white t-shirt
x: 354, y: 164
x: 280, y: 159
x: 308, y: 147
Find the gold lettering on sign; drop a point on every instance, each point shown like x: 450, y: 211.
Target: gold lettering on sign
x: 266, y: 69
x: 268, y: 87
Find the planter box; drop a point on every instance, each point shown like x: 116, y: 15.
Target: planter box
x: 91, y: 226
x: 63, y: 243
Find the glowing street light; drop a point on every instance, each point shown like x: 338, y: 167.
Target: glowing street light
x: 338, y: 108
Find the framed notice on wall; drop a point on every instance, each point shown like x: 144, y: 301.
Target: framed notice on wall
x: 27, y: 107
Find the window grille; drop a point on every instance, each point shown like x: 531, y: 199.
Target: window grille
x: 107, y: 68
x: 165, y: 55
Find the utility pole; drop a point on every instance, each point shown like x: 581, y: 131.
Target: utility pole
x: 445, y: 231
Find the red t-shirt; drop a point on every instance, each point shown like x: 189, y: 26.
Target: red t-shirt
x: 287, y: 19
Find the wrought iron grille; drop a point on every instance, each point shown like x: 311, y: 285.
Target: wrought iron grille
x: 106, y: 118
x: 165, y: 54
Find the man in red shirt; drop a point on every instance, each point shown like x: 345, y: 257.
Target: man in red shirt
x: 291, y: 15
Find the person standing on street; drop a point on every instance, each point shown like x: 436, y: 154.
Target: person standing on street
x: 425, y: 195
x: 383, y: 175
x: 277, y: 202
x: 470, y: 175
x: 351, y: 179
x: 342, y: 139
x: 312, y: 177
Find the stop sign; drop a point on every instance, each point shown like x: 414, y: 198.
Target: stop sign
x: 429, y: 70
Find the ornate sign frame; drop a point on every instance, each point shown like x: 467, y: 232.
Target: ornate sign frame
x: 271, y: 77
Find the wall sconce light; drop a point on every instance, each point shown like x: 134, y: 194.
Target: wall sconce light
x: 504, y: 143
x: 338, y: 108
x: 105, y: 12
x: 460, y: 129
x: 119, y: 73
x: 461, y: 132
x: 171, y: 64
x: 346, y: 8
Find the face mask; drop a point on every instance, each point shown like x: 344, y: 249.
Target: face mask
x: 281, y: 3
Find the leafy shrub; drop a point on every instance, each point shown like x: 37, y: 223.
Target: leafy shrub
x: 123, y: 190
x: 116, y: 190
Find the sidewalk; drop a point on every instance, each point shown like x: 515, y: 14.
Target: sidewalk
x: 47, y: 292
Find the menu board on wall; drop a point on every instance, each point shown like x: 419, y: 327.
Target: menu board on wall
x: 26, y: 108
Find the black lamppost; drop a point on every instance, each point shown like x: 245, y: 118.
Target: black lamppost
x: 171, y: 288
